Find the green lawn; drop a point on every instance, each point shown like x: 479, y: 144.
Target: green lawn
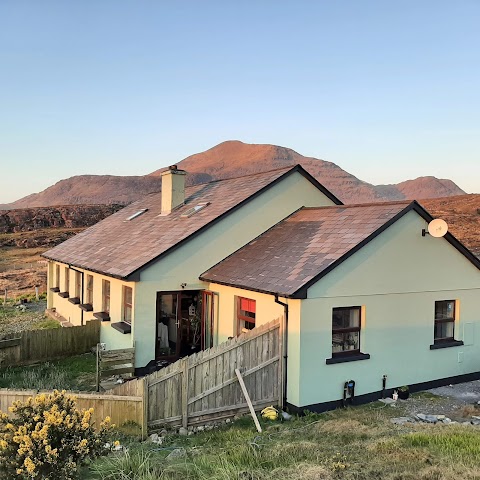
x: 74, y: 373
x: 355, y: 444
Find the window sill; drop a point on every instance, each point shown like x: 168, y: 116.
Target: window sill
x: 103, y: 316
x: 347, y: 358
x: 122, y: 327
x: 86, y: 307
x: 74, y: 300
x: 453, y: 343
x: 63, y: 294
x: 55, y: 290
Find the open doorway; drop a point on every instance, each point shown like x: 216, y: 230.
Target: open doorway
x: 184, y: 323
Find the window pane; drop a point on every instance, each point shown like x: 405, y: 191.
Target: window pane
x: 346, y: 318
x: 444, y: 309
x: 344, y: 342
x: 444, y: 330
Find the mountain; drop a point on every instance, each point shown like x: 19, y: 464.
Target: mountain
x: 462, y: 214
x: 232, y: 159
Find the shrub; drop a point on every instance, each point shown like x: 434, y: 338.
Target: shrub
x: 49, y: 438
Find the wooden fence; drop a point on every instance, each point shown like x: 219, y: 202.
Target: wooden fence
x: 114, y: 362
x: 204, y: 387
x: 34, y: 346
x: 120, y: 409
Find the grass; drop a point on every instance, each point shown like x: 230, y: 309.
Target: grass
x: 353, y: 444
x: 12, y: 319
x: 74, y: 373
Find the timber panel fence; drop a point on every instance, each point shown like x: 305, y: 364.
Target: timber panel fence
x: 204, y: 387
x: 34, y: 346
x: 120, y: 409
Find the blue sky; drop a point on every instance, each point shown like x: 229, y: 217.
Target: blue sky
x: 387, y: 90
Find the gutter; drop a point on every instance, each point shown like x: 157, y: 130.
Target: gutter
x: 83, y: 288
x: 285, y: 350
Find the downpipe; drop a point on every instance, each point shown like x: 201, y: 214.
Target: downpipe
x: 285, y: 350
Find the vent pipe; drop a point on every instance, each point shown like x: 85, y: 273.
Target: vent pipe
x: 173, y: 189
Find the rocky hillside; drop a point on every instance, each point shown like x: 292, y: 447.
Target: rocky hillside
x: 462, y: 213
x: 233, y: 159
x: 48, y: 226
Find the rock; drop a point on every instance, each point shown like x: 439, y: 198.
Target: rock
x: 200, y: 428
x: 286, y: 416
x: 475, y: 421
x: 208, y: 427
x: 228, y: 420
x: 446, y: 421
x: 163, y: 432
x: 156, y: 438
x: 441, y: 417
x: 427, y: 418
x: 182, y: 431
x: 475, y: 417
x: 387, y: 400
x: 401, y: 420
x: 177, y: 453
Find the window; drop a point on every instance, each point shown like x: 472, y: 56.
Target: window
x: 346, y: 331
x: 67, y: 279
x: 444, y: 330
x: 195, y: 209
x: 57, y: 276
x: 89, y: 298
x: 245, y: 314
x: 136, y: 214
x: 127, y: 304
x: 78, y: 284
x: 106, y: 296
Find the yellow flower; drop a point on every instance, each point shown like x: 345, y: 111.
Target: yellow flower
x: 116, y: 443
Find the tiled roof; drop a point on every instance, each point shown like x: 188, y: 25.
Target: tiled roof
x: 118, y: 248
x: 298, y: 249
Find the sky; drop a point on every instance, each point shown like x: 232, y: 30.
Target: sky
x: 388, y: 91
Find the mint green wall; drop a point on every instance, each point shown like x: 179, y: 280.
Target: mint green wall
x: 396, y: 278
x: 186, y: 263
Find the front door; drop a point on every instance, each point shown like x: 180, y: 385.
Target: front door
x: 179, y: 324
x: 208, y: 312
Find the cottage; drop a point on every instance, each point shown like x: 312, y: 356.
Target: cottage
x: 364, y: 295
x: 138, y: 270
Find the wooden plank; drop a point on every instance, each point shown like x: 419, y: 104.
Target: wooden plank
x: 247, y: 398
x: 233, y: 380
x: 111, y: 363
x: 164, y: 421
x: 117, y: 371
x: 261, y: 403
x: 12, y: 342
x: 234, y: 344
x: 165, y: 377
x: 185, y: 393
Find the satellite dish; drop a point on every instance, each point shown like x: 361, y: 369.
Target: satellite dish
x: 437, y: 228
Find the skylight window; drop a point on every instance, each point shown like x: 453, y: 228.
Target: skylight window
x: 136, y: 214
x: 195, y: 209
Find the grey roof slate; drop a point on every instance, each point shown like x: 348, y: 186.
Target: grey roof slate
x: 293, y: 252
x: 118, y: 248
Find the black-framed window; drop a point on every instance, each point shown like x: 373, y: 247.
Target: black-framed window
x: 246, y: 312
x: 346, y: 324
x: 444, y: 329
x: 127, y: 304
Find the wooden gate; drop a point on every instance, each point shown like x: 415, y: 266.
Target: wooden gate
x: 204, y: 387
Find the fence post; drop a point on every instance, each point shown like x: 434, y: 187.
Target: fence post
x: 145, y: 407
x: 98, y: 367
x: 185, y: 393
x: 5, y: 298
x: 36, y: 294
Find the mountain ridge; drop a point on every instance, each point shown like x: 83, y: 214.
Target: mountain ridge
x: 228, y: 159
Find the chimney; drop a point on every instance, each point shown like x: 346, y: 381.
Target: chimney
x: 173, y: 189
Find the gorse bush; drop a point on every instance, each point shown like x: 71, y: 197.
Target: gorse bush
x: 48, y: 438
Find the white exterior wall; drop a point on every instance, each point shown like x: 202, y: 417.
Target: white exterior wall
x: 266, y: 310
x: 397, y: 278
x: 113, y: 338
x: 188, y: 262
